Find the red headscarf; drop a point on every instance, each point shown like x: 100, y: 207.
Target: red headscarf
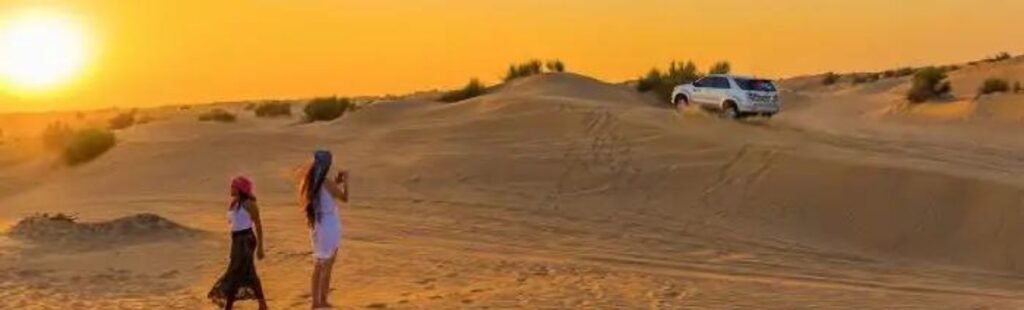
x: 242, y: 185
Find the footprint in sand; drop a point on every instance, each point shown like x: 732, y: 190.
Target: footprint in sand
x: 425, y: 281
x: 169, y: 274
x: 378, y: 305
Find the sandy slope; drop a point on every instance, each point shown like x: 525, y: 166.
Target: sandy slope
x: 557, y: 191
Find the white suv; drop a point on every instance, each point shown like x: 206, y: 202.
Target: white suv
x: 734, y: 96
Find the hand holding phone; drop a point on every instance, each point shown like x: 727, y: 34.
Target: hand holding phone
x: 342, y: 177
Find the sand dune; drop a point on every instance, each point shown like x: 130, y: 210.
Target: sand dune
x: 559, y: 191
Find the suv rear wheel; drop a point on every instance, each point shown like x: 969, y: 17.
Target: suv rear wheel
x: 730, y: 111
x: 681, y: 101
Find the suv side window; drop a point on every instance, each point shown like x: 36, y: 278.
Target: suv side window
x: 720, y: 83
x: 702, y: 82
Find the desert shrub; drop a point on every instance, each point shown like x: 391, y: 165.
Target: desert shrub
x: 326, y: 108
x: 555, y: 65
x: 56, y: 135
x: 993, y: 85
x: 721, y: 67
x: 928, y: 83
x: 249, y: 107
x: 1017, y: 88
x: 522, y: 70
x: 662, y: 83
x: 858, y: 78
x: 651, y: 81
x: 185, y: 108
x: 905, y: 71
x: 472, y: 89
x: 88, y: 144
x: 874, y: 77
x: 217, y: 115
x: 273, y: 109
x: 998, y: 57
x: 830, y: 78
x: 122, y: 121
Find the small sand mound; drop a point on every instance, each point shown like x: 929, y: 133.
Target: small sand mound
x: 62, y: 229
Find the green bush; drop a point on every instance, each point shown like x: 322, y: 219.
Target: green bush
x: 928, y: 83
x: 326, y: 108
x: 217, y: 115
x: 86, y: 145
x: 56, y: 135
x: 472, y: 89
x: 662, y: 83
x: 721, y: 67
x: 273, y: 109
x: 993, y: 85
x: 522, y: 70
x: 555, y: 66
x: 830, y: 78
x: 122, y: 121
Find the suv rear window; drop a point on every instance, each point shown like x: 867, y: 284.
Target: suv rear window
x: 755, y: 84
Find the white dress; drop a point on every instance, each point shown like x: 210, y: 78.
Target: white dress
x: 326, y: 233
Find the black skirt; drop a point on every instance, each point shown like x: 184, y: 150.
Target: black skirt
x: 240, y: 279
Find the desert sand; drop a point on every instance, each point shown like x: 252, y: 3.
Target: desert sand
x: 553, y: 192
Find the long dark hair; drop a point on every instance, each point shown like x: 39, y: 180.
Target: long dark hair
x: 242, y: 197
x: 313, y: 183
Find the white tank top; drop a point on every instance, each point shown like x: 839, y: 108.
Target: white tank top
x: 326, y: 205
x: 239, y: 219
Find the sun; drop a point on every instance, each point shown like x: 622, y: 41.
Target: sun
x: 40, y: 50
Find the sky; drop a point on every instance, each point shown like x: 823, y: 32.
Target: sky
x: 149, y: 53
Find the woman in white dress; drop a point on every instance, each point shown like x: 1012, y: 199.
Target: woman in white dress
x: 318, y: 194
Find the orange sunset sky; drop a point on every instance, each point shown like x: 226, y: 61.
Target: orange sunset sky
x: 147, y: 53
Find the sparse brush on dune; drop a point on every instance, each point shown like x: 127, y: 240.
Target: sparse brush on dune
x: 326, y: 108
x: 555, y: 65
x: 56, y: 135
x: 472, y: 89
x: 662, y: 83
x: 991, y: 59
x: 273, y: 109
x: 896, y: 73
x: 999, y: 57
x: 1017, y: 88
x: 721, y: 67
x: 830, y: 78
x: 993, y: 85
x: 88, y: 144
x: 858, y: 79
x: 929, y: 83
x: 122, y: 121
x: 516, y: 71
x: 217, y: 115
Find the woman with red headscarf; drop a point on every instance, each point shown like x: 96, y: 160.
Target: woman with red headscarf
x: 240, y: 281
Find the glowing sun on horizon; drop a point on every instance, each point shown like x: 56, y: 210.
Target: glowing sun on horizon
x: 40, y: 50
